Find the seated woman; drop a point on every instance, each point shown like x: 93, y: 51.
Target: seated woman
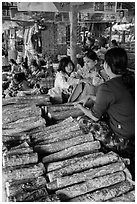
x: 115, y: 100
x: 60, y: 92
x: 89, y: 78
x: 14, y: 66
x: 19, y: 86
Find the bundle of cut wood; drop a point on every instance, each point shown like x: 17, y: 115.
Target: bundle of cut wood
x: 23, y: 176
x: 30, y: 99
x: 92, y: 177
x: 18, y: 121
x: 12, y: 113
x: 76, y: 168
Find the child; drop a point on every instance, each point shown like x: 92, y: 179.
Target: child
x: 59, y: 93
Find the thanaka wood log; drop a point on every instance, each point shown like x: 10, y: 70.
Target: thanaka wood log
x: 50, y: 130
x: 84, y: 148
x: 22, y: 122
x: 19, y: 149
x: 61, y: 164
x: 60, y: 137
x: 65, y: 114
x: 58, y: 146
x: 85, y: 164
x: 19, y: 159
x: 28, y: 127
x: 13, y: 114
x: 85, y: 175
x: 106, y: 193
x: 49, y: 198
x: 126, y: 197
x: 15, y: 189
x: 30, y: 196
x: 60, y: 107
x: 91, y: 185
x: 14, y: 137
x: 43, y: 98
x: 25, y: 172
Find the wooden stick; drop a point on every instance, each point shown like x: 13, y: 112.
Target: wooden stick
x: 60, y: 137
x: 20, y: 159
x: 85, y: 175
x: 25, y: 172
x: 91, y: 185
x: 58, y: 146
x: 72, y: 151
x: 61, y: 164
x: 85, y: 164
x: 15, y: 189
x: 126, y: 197
x: 30, y: 196
x: 58, y: 132
x: 105, y: 194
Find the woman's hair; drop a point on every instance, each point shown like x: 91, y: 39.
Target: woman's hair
x: 80, y: 61
x: 91, y: 55
x: 13, y: 61
x: 64, y: 63
x: 20, y: 77
x: 117, y: 59
x: 34, y: 63
x: 114, y: 42
x: 91, y: 40
x: 102, y: 41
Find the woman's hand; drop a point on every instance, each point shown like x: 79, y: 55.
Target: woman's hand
x: 78, y: 105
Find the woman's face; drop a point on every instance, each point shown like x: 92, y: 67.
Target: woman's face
x: 106, y: 67
x: 89, y: 63
x: 69, y: 68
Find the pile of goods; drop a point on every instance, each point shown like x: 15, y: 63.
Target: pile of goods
x: 57, y: 163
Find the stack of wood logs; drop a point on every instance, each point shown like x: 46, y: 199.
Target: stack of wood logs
x: 19, y: 116
x: 77, y: 170
x: 60, y: 162
x: 23, y: 175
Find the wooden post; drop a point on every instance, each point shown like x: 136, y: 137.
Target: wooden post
x: 123, y: 37
x: 110, y: 34
x: 73, y: 32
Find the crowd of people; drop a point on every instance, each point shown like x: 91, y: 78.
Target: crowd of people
x: 24, y: 78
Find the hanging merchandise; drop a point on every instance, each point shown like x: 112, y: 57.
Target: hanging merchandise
x: 29, y: 49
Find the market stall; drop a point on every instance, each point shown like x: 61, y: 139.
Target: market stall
x: 50, y: 154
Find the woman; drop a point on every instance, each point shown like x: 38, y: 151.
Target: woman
x: 60, y: 92
x: 14, y: 66
x: 114, y: 99
x: 89, y: 76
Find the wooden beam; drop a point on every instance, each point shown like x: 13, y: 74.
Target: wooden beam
x: 73, y: 32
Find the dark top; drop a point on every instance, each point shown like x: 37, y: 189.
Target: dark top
x: 114, y: 98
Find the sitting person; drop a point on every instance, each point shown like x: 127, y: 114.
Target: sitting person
x: 89, y: 78
x: 60, y: 92
x: 114, y: 100
x: 114, y: 43
x: 19, y: 86
x: 18, y: 83
x: 14, y: 66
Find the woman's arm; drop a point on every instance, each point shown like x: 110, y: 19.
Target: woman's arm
x: 87, y: 112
